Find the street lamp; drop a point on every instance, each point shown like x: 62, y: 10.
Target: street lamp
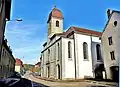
x: 15, y: 20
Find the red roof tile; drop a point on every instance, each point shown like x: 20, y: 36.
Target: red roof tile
x: 18, y: 62
x: 55, y: 13
x: 86, y: 31
x: 38, y: 63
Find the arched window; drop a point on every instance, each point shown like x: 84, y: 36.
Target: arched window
x: 98, y: 50
x: 57, y: 23
x: 69, y: 50
x: 85, y: 50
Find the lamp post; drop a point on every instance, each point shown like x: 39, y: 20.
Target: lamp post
x: 19, y: 20
x: 1, y: 41
x: 15, y: 20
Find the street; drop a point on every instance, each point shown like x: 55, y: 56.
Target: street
x: 29, y: 80
x: 39, y: 83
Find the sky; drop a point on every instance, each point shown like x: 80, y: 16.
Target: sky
x: 27, y: 37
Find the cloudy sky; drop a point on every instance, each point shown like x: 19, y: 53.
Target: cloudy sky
x: 27, y: 37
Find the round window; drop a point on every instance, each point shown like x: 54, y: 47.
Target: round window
x: 115, y: 23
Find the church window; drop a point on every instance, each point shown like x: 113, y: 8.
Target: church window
x: 85, y: 50
x: 48, y: 54
x: 69, y: 50
x: 98, y: 52
x: 57, y: 23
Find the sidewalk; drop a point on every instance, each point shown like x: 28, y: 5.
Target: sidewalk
x: 90, y: 82
x: 112, y: 84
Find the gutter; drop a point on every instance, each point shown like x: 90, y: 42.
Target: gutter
x: 61, y: 60
x: 74, y: 55
x: 92, y: 55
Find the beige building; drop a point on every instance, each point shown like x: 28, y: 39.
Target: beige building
x: 5, y: 6
x: 7, y: 61
x: 74, y: 54
x: 111, y: 44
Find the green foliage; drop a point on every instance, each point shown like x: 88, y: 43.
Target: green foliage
x: 28, y: 67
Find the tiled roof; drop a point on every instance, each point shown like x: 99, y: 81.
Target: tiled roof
x: 86, y: 31
x: 55, y: 13
x: 18, y: 62
x: 38, y: 63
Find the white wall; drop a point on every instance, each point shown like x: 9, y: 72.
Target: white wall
x: 17, y: 68
x: 84, y: 67
x: 68, y: 67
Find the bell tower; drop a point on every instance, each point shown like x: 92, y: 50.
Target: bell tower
x: 55, y: 22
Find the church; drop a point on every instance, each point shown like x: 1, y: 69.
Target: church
x: 74, y: 54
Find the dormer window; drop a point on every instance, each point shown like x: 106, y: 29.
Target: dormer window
x: 115, y: 23
x: 57, y: 23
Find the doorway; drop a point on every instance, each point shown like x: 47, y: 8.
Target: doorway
x: 58, y: 71
x: 48, y: 71
x: 115, y: 73
x: 99, y: 71
x: 98, y: 74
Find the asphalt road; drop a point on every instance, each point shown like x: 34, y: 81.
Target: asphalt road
x: 30, y: 81
x: 20, y: 82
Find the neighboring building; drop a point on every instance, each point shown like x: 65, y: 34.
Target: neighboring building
x: 37, y: 65
x: 111, y: 44
x: 74, y: 54
x: 7, y: 61
x: 5, y: 6
x: 37, y: 68
x: 19, y: 66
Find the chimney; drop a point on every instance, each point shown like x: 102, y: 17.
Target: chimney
x: 108, y: 13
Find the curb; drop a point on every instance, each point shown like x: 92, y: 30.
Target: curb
x: 107, y: 84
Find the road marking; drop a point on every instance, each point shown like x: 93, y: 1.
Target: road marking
x: 8, y: 80
x: 32, y: 84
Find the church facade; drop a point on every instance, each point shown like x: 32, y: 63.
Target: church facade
x: 74, y: 54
